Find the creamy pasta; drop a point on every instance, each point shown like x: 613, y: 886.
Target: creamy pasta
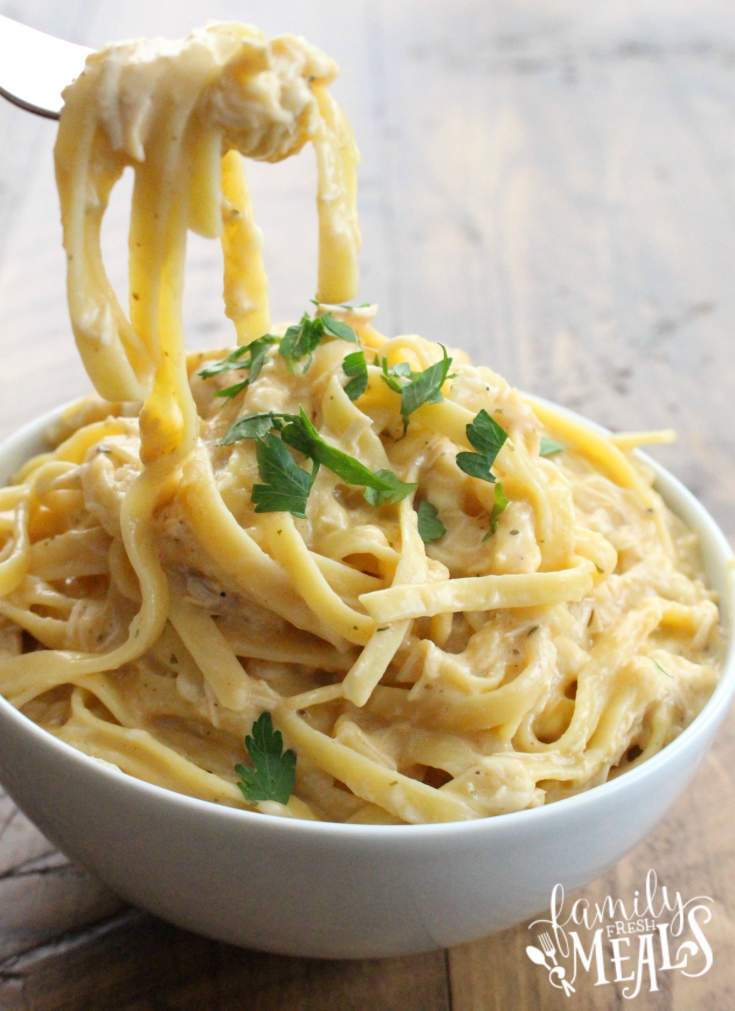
x: 463, y: 604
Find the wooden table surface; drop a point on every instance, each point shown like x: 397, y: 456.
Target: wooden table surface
x: 549, y: 183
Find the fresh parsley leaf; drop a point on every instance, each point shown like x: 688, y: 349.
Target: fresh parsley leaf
x: 488, y: 438
x: 304, y: 338
x: 498, y: 507
x: 336, y: 328
x: 431, y: 527
x: 392, y: 490
x: 425, y: 387
x: 299, y: 341
x: 388, y: 374
x: 251, y: 426
x: 257, y: 352
x: 286, y: 486
x: 550, y: 446
x: 232, y: 361
x: 302, y: 435
x: 232, y: 391
x: 400, y: 369
x: 273, y: 772
x: 475, y: 465
x: 356, y: 366
x: 420, y: 387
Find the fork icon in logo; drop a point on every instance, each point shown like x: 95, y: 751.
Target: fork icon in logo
x: 555, y: 971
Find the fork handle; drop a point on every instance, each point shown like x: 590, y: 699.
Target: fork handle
x: 36, y: 67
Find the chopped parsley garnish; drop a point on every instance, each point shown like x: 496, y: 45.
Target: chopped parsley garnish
x: 383, y: 486
x: 498, y: 507
x: 286, y: 486
x: 362, y: 305
x: 232, y: 361
x: 273, y: 772
x: 488, y: 438
x: 400, y: 370
x: 252, y: 426
x: 355, y: 365
x: 336, y: 328
x: 256, y: 353
x: 302, y: 339
x: 662, y: 670
x: 419, y: 388
x: 431, y: 527
x: 390, y: 489
x: 550, y: 446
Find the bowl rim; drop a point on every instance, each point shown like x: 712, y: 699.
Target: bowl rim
x: 537, y: 817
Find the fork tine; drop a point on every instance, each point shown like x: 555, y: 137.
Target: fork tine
x: 546, y: 943
x: 548, y: 946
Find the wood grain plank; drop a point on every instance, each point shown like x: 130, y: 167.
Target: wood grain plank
x: 136, y: 963
x: 42, y: 895
x: 20, y: 840
x: 44, y: 899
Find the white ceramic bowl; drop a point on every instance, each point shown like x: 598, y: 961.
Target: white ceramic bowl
x: 345, y: 891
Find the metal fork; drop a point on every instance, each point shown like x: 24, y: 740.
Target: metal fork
x: 35, y: 67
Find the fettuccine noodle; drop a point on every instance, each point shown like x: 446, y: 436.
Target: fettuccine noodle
x: 149, y: 614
